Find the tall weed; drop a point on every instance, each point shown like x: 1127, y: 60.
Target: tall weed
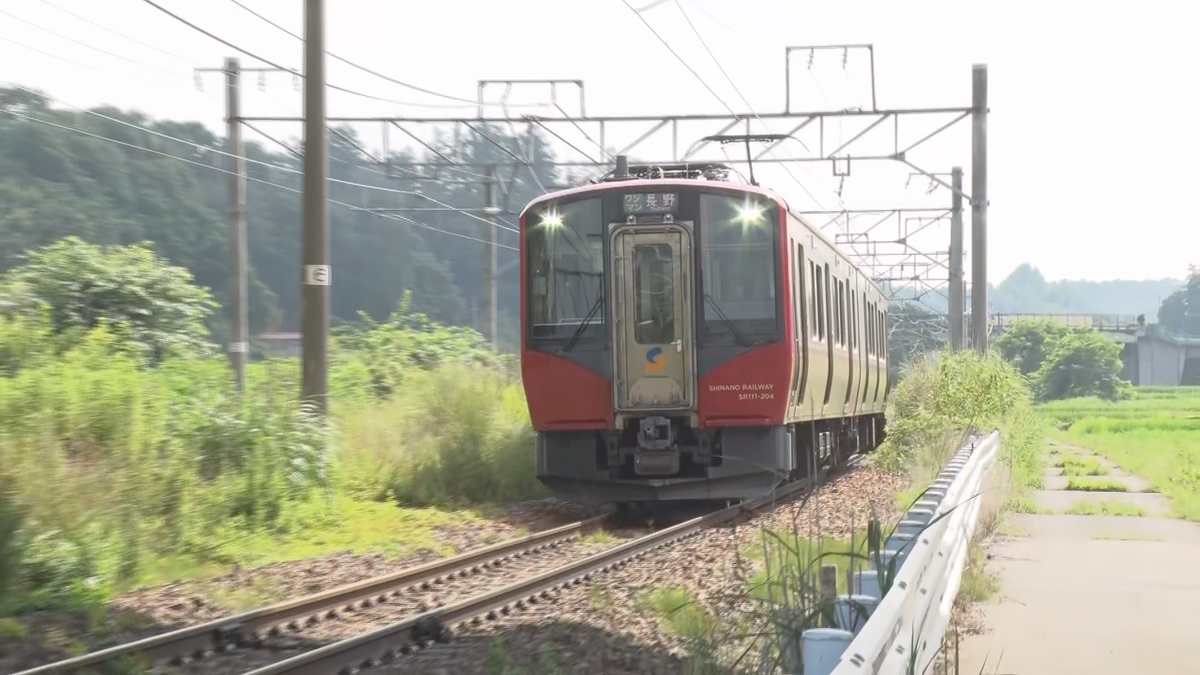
x: 458, y: 433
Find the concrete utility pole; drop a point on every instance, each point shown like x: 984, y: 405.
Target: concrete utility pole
x: 957, y: 310
x: 979, y: 204
x: 314, y: 304
x: 490, y: 259
x: 239, y: 341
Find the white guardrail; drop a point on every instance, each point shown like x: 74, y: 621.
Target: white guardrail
x: 903, y: 633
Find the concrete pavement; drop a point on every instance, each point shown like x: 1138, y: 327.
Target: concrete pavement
x: 1092, y: 594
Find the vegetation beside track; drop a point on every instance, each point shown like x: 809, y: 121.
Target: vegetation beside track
x: 127, y: 457
x: 1155, y: 434
x: 938, y: 399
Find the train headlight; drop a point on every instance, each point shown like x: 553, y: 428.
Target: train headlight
x: 551, y: 219
x: 750, y: 213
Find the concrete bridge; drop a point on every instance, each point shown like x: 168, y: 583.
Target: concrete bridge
x: 1151, y: 354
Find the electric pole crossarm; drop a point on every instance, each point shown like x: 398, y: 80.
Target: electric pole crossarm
x: 859, y: 135
x: 933, y: 133
x: 934, y: 177
x: 618, y: 119
x: 776, y: 144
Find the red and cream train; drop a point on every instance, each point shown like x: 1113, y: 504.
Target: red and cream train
x: 688, y: 337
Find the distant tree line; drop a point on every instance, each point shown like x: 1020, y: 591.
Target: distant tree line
x: 56, y: 183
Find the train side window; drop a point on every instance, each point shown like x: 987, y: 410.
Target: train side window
x: 801, y: 296
x: 880, y: 330
x: 854, y: 319
x: 812, y: 301
x: 820, y: 307
x: 835, y: 336
x: 842, y: 313
x: 873, y: 336
x: 827, y: 305
x: 870, y: 326
x: 836, y: 292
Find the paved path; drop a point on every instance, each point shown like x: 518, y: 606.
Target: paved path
x: 1092, y: 594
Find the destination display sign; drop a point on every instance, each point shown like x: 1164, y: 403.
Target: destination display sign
x: 646, y: 203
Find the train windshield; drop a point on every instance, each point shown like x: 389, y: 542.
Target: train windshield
x: 565, y: 244
x: 738, y: 262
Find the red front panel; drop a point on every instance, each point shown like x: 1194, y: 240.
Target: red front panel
x: 563, y: 395
x: 749, y: 390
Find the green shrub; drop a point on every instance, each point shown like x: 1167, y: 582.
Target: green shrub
x: 941, y: 396
x: 12, y: 544
x: 1082, y: 363
x: 458, y: 433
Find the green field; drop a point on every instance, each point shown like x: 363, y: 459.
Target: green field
x: 1156, y: 434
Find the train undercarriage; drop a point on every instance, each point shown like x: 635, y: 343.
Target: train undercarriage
x: 664, y: 458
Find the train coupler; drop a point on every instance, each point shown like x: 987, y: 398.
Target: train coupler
x: 657, y: 453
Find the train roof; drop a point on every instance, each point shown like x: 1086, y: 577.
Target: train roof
x: 609, y: 185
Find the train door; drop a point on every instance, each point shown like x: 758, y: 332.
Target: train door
x: 653, y: 355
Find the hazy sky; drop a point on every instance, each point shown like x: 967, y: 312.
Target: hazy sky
x: 1089, y: 145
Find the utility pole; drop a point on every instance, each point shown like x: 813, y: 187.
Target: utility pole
x: 314, y: 304
x: 979, y: 204
x: 957, y: 309
x: 490, y: 296
x: 239, y: 342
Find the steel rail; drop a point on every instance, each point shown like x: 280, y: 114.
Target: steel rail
x: 225, y: 634
x: 384, y: 644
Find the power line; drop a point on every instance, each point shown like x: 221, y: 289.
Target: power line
x: 118, y: 34
x: 84, y: 44
x: 710, y: 89
x: 352, y: 207
x: 87, y: 65
x: 370, y: 71
x: 679, y: 58
x: 273, y: 64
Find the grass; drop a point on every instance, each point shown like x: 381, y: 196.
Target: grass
x: 172, y: 476
x: 1105, y: 508
x: 1095, y: 485
x: 599, y: 537
x: 1073, y: 465
x: 1156, y: 434
x: 679, y: 613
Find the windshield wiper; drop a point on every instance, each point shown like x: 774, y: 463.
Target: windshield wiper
x: 738, y: 337
x: 586, y: 321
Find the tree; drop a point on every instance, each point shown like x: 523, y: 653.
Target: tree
x: 1081, y: 363
x: 81, y: 285
x: 1180, y: 311
x: 1026, y: 343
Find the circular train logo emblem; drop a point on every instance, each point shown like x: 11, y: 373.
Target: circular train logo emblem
x: 655, y: 360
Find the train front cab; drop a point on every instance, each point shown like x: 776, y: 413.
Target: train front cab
x: 686, y: 348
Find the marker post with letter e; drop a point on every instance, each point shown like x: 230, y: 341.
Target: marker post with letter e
x: 314, y: 298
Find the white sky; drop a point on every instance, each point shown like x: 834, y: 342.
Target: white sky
x: 1089, y: 146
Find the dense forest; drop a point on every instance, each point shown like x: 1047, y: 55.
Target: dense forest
x: 56, y: 182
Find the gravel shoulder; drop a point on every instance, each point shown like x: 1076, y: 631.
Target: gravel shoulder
x: 612, y: 626
x: 48, y: 636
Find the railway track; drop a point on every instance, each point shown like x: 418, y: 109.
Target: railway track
x: 253, y: 628
x: 413, y: 625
